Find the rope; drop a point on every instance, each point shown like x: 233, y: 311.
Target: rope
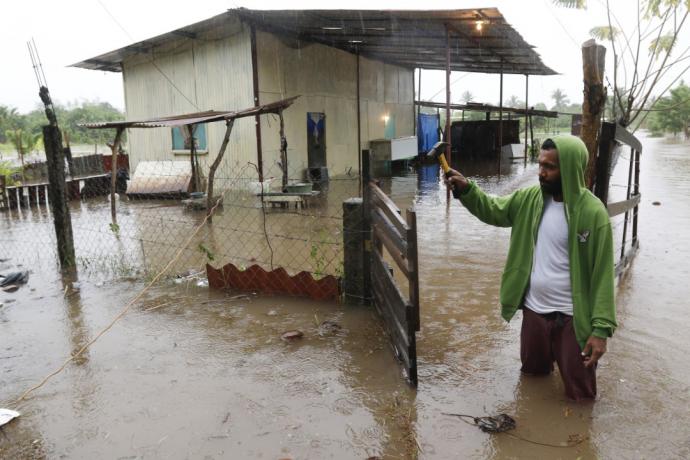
x: 120, y: 315
x: 569, y: 443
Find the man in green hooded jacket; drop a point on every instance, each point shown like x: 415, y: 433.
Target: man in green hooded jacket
x: 560, y: 268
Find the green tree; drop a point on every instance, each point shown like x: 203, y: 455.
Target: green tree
x: 24, y: 142
x: 671, y: 114
x: 643, y: 53
x: 560, y: 100
x: 10, y: 119
x: 69, y: 118
x: 467, y: 97
x: 514, y: 102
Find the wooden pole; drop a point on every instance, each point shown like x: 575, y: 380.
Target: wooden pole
x: 448, y: 136
x: 500, y: 114
x: 366, y: 226
x: 593, y: 62
x: 603, y: 166
x: 636, y: 191
x: 57, y: 193
x: 359, y: 130
x: 283, y: 150
x: 526, y: 115
x: 68, y: 153
x: 114, y: 148
x: 255, y: 85
x: 419, y: 93
x: 531, y: 131
x: 212, y: 170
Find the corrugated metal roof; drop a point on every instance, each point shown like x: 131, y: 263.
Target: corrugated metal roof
x: 208, y: 116
x: 408, y: 38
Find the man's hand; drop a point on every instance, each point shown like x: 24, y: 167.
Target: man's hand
x: 457, y: 181
x: 594, y: 349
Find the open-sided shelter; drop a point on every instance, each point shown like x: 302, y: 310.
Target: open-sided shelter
x: 353, y: 68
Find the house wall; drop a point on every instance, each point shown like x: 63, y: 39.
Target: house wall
x: 211, y: 74
x: 215, y: 73
x: 325, y: 78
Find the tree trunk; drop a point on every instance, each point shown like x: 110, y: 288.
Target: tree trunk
x: 593, y: 61
x: 212, y: 170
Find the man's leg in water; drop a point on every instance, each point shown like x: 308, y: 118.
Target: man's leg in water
x: 580, y: 382
x: 535, y: 344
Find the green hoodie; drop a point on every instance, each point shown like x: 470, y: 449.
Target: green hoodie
x: 590, y: 242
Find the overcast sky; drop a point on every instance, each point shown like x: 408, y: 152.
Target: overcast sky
x: 69, y: 31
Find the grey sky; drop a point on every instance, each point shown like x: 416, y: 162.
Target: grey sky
x: 69, y: 31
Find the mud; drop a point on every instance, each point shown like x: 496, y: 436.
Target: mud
x: 192, y: 373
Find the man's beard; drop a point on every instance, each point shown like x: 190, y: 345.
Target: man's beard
x: 552, y: 188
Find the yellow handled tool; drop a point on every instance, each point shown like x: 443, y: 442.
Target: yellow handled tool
x: 437, y: 151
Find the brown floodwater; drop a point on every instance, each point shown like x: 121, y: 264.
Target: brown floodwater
x: 194, y: 373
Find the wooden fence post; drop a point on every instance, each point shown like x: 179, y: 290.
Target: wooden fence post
x: 353, y: 249
x: 57, y: 194
x: 593, y: 61
x: 366, y: 226
x: 603, y: 162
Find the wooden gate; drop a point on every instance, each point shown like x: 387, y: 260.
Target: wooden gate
x: 613, y: 138
x: 398, y: 237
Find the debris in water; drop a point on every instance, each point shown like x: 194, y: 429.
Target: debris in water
x: 272, y: 313
x: 656, y: 203
x: 14, y: 278
x: 292, y: 335
x: 490, y: 424
x: 10, y: 288
x: 329, y: 327
x: 6, y: 415
x: 240, y: 296
x: 202, y: 283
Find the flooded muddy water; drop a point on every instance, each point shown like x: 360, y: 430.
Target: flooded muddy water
x: 195, y: 373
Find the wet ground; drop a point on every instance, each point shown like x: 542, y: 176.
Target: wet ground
x: 192, y: 373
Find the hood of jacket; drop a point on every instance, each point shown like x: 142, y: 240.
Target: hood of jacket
x: 572, y: 159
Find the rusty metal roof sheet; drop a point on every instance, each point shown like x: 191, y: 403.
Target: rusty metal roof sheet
x: 409, y: 38
x: 478, y: 107
x: 195, y: 118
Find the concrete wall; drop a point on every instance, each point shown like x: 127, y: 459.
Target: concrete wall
x: 325, y: 78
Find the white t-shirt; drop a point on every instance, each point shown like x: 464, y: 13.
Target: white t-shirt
x: 549, y: 286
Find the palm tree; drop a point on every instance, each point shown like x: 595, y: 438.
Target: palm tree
x: 513, y: 101
x: 24, y: 142
x: 560, y: 98
x: 466, y: 97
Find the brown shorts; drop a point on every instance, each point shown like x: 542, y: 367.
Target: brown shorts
x: 550, y: 337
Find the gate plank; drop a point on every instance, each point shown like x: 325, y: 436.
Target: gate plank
x: 413, y: 261
x: 620, y: 207
x: 387, y: 288
x: 399, y: 257
x: 382, y: 201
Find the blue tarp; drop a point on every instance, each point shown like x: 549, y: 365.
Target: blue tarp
x: 427, y: 131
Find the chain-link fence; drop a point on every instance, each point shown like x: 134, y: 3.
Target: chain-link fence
x: 297, y: 226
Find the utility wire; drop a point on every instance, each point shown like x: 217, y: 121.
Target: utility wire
x: 151, y: 57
